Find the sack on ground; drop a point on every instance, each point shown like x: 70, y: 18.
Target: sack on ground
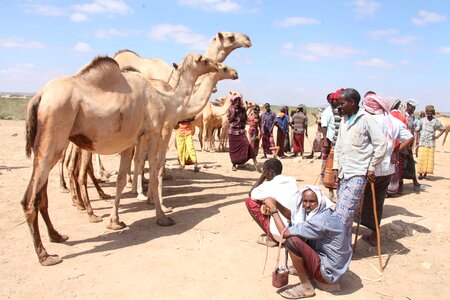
x: 280, y: 276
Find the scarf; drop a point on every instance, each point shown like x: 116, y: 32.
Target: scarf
x: 324, y: 203
x: 375, y: 105
x: 392, y: 102
x: 237, y: 97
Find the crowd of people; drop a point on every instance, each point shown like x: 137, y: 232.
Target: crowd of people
x: 366, y: 145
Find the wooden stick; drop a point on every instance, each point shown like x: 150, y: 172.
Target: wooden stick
x: 372, y: 185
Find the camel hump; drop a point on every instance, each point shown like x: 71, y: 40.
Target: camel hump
x: 102, y: 72
x: 100, y: 63
x: 125, y: 51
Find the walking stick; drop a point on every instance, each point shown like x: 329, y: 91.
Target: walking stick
x: 372, y: 185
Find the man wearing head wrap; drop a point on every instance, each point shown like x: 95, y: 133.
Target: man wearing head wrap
x: 330, y: 121
x: 360, y: 147
x: 282, y: 124
x: 316, y: 240
x: 396, y: 135
x: 240, y: 149
x: 426, y: 135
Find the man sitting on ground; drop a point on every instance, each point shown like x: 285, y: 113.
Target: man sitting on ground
x: 271, y: 183
x: 317, y: 241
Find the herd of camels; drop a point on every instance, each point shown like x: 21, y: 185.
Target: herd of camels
x: 124, y: 105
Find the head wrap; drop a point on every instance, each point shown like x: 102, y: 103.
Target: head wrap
x: 375, y: 105
x: 237, y: 97
x: 412, y: 102
x: 392, y: 102
x: 335, y: 95
x: 323, y: 203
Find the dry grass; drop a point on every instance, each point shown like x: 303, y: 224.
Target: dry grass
x: 13, y: 108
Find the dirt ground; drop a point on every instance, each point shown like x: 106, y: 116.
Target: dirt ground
x: 211, y: 251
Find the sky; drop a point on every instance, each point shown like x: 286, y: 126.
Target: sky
x: 301, y: 50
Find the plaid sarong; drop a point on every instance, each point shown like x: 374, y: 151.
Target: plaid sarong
x: 425, y: 162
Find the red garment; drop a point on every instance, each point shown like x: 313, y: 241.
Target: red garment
x: 254, y: 208
x: 298, y: 143
x: 400, y: 116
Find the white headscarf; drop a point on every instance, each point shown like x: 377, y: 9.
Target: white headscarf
x: 323, y: 203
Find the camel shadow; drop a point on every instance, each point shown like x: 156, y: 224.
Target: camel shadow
x: 146, y: 230
x: 434, y: 178
x: 392, y: 210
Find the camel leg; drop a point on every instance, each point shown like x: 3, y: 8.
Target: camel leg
x: 445, y: 137
x: 125, y: 160
x: 31, y: 202
x: 62, y: 182
x: 200, y: 136
x: 139, y: 164
x: 90, y: 172
x: 86, y: 157
x: 73, y: 171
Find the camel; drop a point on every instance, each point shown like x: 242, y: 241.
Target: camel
x: 203, y: 92
x: 446, y: 122
x: 105, y: 111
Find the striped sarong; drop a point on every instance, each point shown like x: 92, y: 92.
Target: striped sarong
x: 425, y: 162
x: 349, y: 193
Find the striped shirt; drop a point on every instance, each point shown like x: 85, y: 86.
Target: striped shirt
x: 300, y: 121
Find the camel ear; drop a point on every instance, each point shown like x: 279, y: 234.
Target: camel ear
x: 199, y: 58
x: 175, y: 65
x: 219, y: 34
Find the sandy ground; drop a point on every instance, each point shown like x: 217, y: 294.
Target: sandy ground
x: 211, y: 251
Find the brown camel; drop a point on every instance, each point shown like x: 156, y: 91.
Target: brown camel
x: 446, y: 122
x: 105, y: 111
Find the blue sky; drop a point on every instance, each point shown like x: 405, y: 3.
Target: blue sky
x: 302, y: 50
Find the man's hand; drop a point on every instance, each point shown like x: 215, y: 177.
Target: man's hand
x: 335, y: 176
x: 370, y: 176
x: 270, y: 203
x: 325, y: 143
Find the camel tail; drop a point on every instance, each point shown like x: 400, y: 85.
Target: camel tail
x: 31, y: 123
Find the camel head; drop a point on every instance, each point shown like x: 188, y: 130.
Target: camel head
x: 226, y: 72
x: 225, y: 42
x: 200, y: 63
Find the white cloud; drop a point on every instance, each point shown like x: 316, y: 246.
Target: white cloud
x: 288, y: 46
x: 212, y: 5
x: 20, y: 43
x: 19, y: 70
x: 444, y: 49
x: 376, y: 34
x: 364, y: 8
x: 45, y: 10
x: 78, y: 17
x: 406, y: 40
x: 295, y: 21
x: 374, y: 62
x: 315, y: 51
x: 112, y: 32
x: 426, y: 17
x: 103, y: 6
x: 404, y: 62
x: 81, y: 47
x: 179, y: 34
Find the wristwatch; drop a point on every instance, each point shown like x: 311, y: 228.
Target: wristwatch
x: 273, y: 211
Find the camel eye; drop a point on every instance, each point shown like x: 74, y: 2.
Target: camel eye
x: 232, y: 39
x: 225, y: 69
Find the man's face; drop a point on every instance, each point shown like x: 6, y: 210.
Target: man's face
x: 268, y: 174
x: 267, y: 107
x: 410, y: 109
x: 429, y: 113
x: 346, y: 106
x: 309, y: 200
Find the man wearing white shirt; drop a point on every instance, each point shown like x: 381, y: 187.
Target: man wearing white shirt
x: 272, y: 184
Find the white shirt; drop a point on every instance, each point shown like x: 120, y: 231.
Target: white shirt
x: 284, y: 189
x: 327, y: 120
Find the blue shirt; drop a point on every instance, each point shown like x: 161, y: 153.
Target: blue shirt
x: 326, y: 234
x: 267, y: 121
x: 283, y: 123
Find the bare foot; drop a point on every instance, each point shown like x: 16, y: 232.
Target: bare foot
x: 165, y: 221
x: 94, y: 219
x: 50, y: 260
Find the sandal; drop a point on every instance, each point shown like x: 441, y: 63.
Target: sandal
x: 297, y: 292
x: 234, y: 168
x: 366, y: 238
x: 264, y: 240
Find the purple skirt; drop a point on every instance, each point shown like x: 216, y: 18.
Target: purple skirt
x: 240, y: 149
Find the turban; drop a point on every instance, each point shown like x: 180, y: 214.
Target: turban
x: 323, y: 203
x: 392, y: 102
x: 237, y: 97
x: 335, y: 95
x: 412, y: 102
x: 375, y: 105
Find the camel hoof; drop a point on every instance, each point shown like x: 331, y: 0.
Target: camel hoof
x: 94, y: 219
x: 58, y: 238
x: 64, y: 190
x: 80, y: 207
x: 165, y: 221
x: 105, y: 196
x: 166, y: 209
x: 141, y: 197
x: 51, y: 260
x: 116, y: 226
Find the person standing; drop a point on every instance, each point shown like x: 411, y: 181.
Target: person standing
x: 360, y: 147
x: 268, y: 119
x: 282, y: 124
x: 185, y: 144
x: 426, y: 135
x: 300, y: 125
x: 254, y: 130
x: 287, y: 138
x: 240, y: 149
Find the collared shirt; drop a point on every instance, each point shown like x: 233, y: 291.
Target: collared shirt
x: 399, y: 132
x: 284, y: 189
x: 427, y: 130
x: 326, y: 234
x: 360, y: 146
x: 300, y: 121
x: 327, y: 121
x: 283, y: 123
x: 267, y: 121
